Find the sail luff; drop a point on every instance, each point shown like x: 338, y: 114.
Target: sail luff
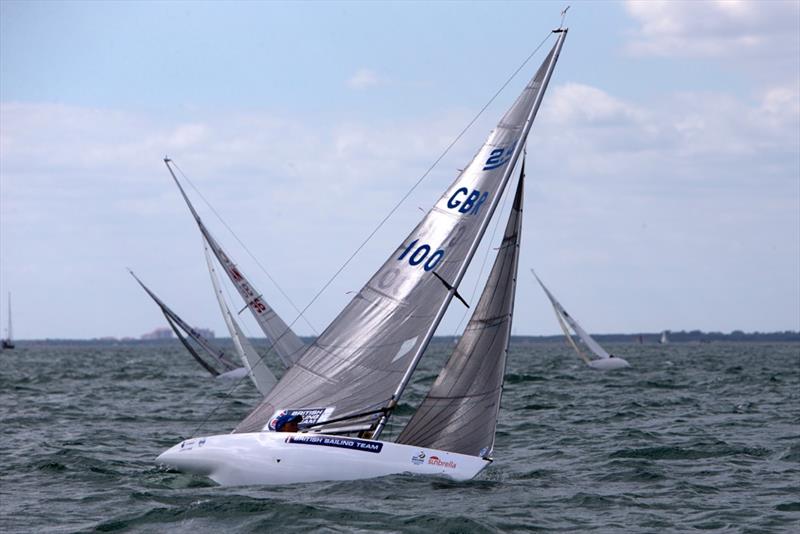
x: 285, y: 342
x: 259, y: 373
x: 494, y: 202
x: 10, y: 329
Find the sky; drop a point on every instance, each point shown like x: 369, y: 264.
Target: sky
x: 663, y: 169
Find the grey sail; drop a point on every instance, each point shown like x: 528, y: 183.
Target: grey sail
x: 198, y: 338
x: 365, y: 357
x: 284, y: 341
x: 459, y: 414
x: 259, y: 373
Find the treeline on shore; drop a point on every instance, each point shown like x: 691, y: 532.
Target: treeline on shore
x: 649, y: 338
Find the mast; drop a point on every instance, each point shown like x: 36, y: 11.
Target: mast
x: 562, y: 33
x: 9, y: 331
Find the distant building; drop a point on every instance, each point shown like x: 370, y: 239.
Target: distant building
x: 159, y: 333
x: 205, y: 332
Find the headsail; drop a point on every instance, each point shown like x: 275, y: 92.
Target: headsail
x: 262, y: 377
x: 174, y: 320
x: 365, y: 357
x: 459, y: 414
x: 284, y: 341
x: 563, y: 316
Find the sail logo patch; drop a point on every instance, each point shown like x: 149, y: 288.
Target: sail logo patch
x: 419, y: 458
x: 470, y: 204
x: 499, y: 157
x: 434, y: 460
x: 341, y: 443
x: 309, y: 415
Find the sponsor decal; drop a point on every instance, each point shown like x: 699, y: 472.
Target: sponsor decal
x: 419, y: 458
x: 310, y: 416
x: 341, y: 443
x: 434, y: 460
x: 189, y: 444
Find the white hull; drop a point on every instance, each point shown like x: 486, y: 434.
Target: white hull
x: 609, y: 364
x: 272, y: 458
x: 235, y: 374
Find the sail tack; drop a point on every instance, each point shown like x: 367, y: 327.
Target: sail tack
x: 459, y: 414
x: 284, y: 341
x: 364, y: 358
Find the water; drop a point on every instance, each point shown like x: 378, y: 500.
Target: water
x: 693, y: 437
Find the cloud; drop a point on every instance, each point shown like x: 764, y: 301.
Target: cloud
x: 364, y: 79
x: 721, y: 28
x: 633, y: 192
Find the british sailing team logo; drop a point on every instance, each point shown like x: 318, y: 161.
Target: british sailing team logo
x: 419, y: 458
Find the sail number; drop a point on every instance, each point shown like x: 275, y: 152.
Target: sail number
x: 466, y: 201
x: 422, y: 253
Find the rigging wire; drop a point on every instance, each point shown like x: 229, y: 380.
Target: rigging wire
x: 379, y: 225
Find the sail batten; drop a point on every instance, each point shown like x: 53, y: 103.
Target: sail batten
x: 365, y: 357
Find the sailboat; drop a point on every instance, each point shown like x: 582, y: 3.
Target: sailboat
x: 602, y: 360
x: 347, y: 383
x: 221, y: 365
x: 282, y: 338
x: 664, y: 339
x: 8, y: 342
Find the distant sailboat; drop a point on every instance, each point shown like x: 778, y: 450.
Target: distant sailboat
x: 348, y: 382
x: 220, y: 366
x: 664, y: 338
x: 8, y: 342
x: 602, y: 360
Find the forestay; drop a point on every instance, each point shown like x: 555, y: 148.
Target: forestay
x: 364, y: 358
x: 459, y: 414
x: 259, y: 373
x: 284, y: 341
x: 562, y: 316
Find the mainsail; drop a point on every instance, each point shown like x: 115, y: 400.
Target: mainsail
x: 364, y: 359
x: 563, y: 316
x: 459, y: 414
x: 177, y: 323
x: 262, y: 377
x: 284, y: 341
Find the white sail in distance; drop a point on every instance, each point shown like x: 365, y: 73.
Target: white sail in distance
x: 259, y: 373
x: 364, y: 359
x: 563, y: 316
x: 284, y: 341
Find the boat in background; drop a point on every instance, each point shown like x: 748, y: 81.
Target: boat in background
x: 220, y: 365
x: 288, y: 346
x: 602, y: 360
x: 348, y: 382
x: 8, y: 342
x: 664, y: 338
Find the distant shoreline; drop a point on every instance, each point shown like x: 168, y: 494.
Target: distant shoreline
x: 650, y: 338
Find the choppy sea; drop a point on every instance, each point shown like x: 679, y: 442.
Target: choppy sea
x: 694, y: 437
